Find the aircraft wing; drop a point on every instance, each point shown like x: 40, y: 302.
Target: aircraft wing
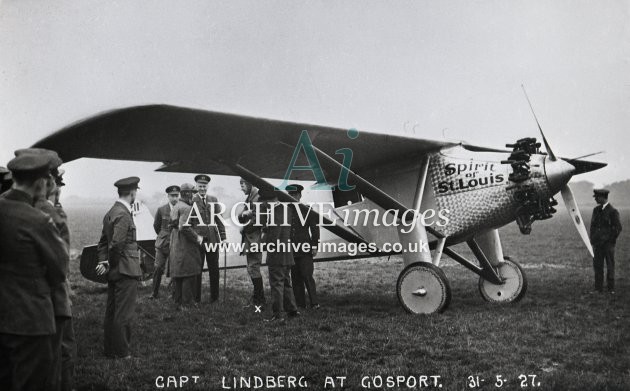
x: 192, y: 140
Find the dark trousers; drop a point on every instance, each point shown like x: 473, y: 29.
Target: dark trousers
x: 604, y: 253
x: 25, y: 362
x: 281, y: 291
x: 302, y: 277
x: 119, y: 316
x: 185, y: 288
x: 64, y: 352
x: 161, y: 256
x: 68, y: 356
x: 212, y: 259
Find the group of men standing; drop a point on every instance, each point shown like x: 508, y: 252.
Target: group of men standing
x: 180, y: 253
x: 188, y: 233
x: 290, y: 272
x: 37, y: 346
x: 183, y: 249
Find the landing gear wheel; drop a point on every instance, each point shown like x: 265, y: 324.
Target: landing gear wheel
x: 422, y: 288
x: 512, y: 290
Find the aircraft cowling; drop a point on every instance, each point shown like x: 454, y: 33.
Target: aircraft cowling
x: 476, y: 190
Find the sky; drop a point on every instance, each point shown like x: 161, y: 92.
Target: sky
x: 434, y: 69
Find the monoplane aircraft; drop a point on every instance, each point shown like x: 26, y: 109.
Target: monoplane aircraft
x: 482, y: 188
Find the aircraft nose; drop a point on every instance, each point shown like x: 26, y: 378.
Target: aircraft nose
x: 558, y: 173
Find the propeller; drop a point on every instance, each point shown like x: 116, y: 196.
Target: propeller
x: 547, y: 147
x: 574, y: 212
x: 557, y: 172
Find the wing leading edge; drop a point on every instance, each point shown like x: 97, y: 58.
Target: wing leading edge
x: 193, y: 140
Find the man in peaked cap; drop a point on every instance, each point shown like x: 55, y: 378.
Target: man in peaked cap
x: 212, y: 232
x: 162, y: 228
x: 33, y: 262
x: 605, y: 228
x: 118, y: 257
x: 64, y: 344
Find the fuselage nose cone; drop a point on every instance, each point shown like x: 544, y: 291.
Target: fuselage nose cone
x: 558, y: 173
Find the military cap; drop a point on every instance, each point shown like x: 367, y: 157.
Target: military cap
x: 202, y: 178
x: 601, y: 192
x: 55, y: 160
x: 267, y: 194
x: 174, y: 189
x: 295, y: 188
x: 187, y: 187
x: 130, y: 183
x: 31, y: 165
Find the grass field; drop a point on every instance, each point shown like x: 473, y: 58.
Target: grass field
x: 569, y: 339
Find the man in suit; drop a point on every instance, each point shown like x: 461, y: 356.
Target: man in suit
x: 63, y: 343
x: 184, y: 265
x: 162, y: 242
x: 251, y: 233
x: 212, y: 232
x: 605, y: 228
x: 279, y: 257
x: 304, y: 234
x: 33, y: 263
x: 118, y: 257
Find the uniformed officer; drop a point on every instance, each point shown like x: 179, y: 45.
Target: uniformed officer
x: 605, y: 228
x: 279, y: 257
x: 64, y: 344
x: 118, y: 257
x: 68, y: 342
x: 163, y: 230
x: 251, y: 234
x: 184, y: 265
x: 212, y: 232
x: 33, y: 262
x: 305, y: 237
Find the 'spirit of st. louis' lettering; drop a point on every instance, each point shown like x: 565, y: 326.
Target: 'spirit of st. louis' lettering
x: 462, y: 184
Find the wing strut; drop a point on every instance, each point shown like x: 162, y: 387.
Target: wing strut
x: 259, y: 182
x: 419, y: 232
x: 377, y: 195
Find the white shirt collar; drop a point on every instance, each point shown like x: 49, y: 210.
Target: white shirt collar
x: 604, y: 206
x: 127, y: 205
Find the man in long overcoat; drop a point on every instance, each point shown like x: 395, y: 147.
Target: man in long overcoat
x: 184, y: 263
x: 161, y: 226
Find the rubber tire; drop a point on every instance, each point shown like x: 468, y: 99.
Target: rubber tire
x: 435, y: 275
x: 515, y: 298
